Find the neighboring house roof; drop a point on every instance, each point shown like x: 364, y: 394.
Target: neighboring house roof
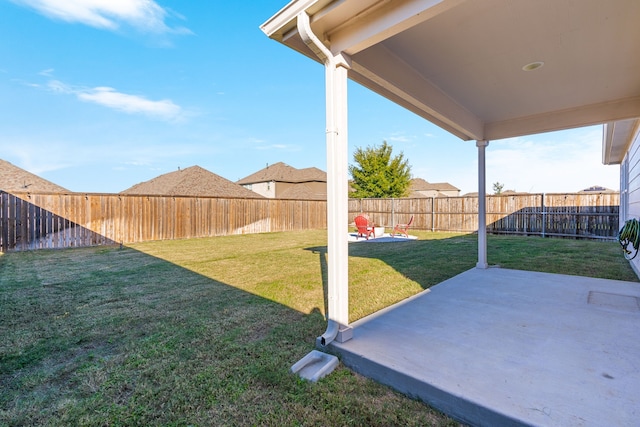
x: 302, y: 192
x: 192, y: 181
x: 282, y: 172
x: 420, y: 195
x: 597, y: 189
x: 419, y: 184
x: 503, y: 193
x: 13, y: 178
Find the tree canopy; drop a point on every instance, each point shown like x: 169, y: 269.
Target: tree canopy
x: 376, y: 174
x: 497, y: 187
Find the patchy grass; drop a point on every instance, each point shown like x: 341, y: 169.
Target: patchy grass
x: 203, y: 331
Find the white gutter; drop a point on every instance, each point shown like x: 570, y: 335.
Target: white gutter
x: 281, y: 22
x: 313, y: 42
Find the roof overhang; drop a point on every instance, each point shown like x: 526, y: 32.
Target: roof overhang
x: 461, y: 64
x: 617, y: 138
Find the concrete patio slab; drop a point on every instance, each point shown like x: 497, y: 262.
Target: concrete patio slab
x: 506, y: 347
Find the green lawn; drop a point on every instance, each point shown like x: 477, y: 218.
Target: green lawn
x: 203, y: 331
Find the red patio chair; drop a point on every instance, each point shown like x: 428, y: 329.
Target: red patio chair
x: 402, y: 228
x: 364, y: 227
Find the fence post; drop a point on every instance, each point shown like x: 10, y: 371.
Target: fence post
x: 4, y: 221
x: 544, y: 214
x: 433, y: 214
x: 393, y: 212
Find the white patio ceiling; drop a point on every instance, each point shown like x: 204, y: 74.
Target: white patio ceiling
x: 459, y: 64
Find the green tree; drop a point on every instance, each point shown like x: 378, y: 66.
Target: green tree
x: 376, y: 174
x: 497, y: 187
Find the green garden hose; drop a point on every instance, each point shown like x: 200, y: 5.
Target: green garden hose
x: 630, y: 235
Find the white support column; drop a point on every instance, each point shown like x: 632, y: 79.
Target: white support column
x: 482, y: 206
x: 336, y: 67
x: 337, y: 201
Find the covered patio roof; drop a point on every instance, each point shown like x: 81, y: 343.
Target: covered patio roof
x: 482, y: 70
x: 469, y: 66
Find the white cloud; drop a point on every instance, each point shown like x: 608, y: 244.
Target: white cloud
x: 279, y: 147
x: 59, y: 87
x: 108, y: 97
x: 399, y: 137
x: 555, y: 162
x: 33, y: 157
x: 47, y: 73
x: 133, y: 104
x: 144, y: 15
x: 60, y: 153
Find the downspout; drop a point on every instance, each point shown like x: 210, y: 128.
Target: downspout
x: 337, y: 313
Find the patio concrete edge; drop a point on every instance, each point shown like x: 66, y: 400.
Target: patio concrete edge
x: 457, y: 407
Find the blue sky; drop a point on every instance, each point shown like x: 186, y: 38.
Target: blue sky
x: 99, y: 95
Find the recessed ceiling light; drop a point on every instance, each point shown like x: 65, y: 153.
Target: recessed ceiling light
x: 533, y: 66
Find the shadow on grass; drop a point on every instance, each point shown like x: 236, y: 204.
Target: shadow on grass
x: 107, y: 336
x: 383, y: 273
x: 321, y: 251
x: 426, y: 262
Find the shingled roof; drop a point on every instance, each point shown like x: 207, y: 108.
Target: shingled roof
x: 192, y: 181
x: 419, y: 184
x: 13, y: 178
x: 597, y: 189
x: 282, y: 172
x: 302, y: 192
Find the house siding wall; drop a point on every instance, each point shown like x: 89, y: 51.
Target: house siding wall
x: 266, y: 189
x: 630, y: 188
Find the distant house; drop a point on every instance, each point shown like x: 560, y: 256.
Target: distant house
x: 597, y: 189
x: 192, y: 181
x: 13, y: 178
x: 421, y: 188
x: 281, y: 181
x: 502, y: 193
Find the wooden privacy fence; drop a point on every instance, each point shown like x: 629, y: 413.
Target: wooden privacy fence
x: 37, y: 221
x: 581, y: 215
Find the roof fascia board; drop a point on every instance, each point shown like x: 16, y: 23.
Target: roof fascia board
x: 414, y: 92
x: 607, y: 142
x: 285, y: 19
x: 587, y: 115
x: 277, y: 24
x: 617, y: 138
x: 381, y: 21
